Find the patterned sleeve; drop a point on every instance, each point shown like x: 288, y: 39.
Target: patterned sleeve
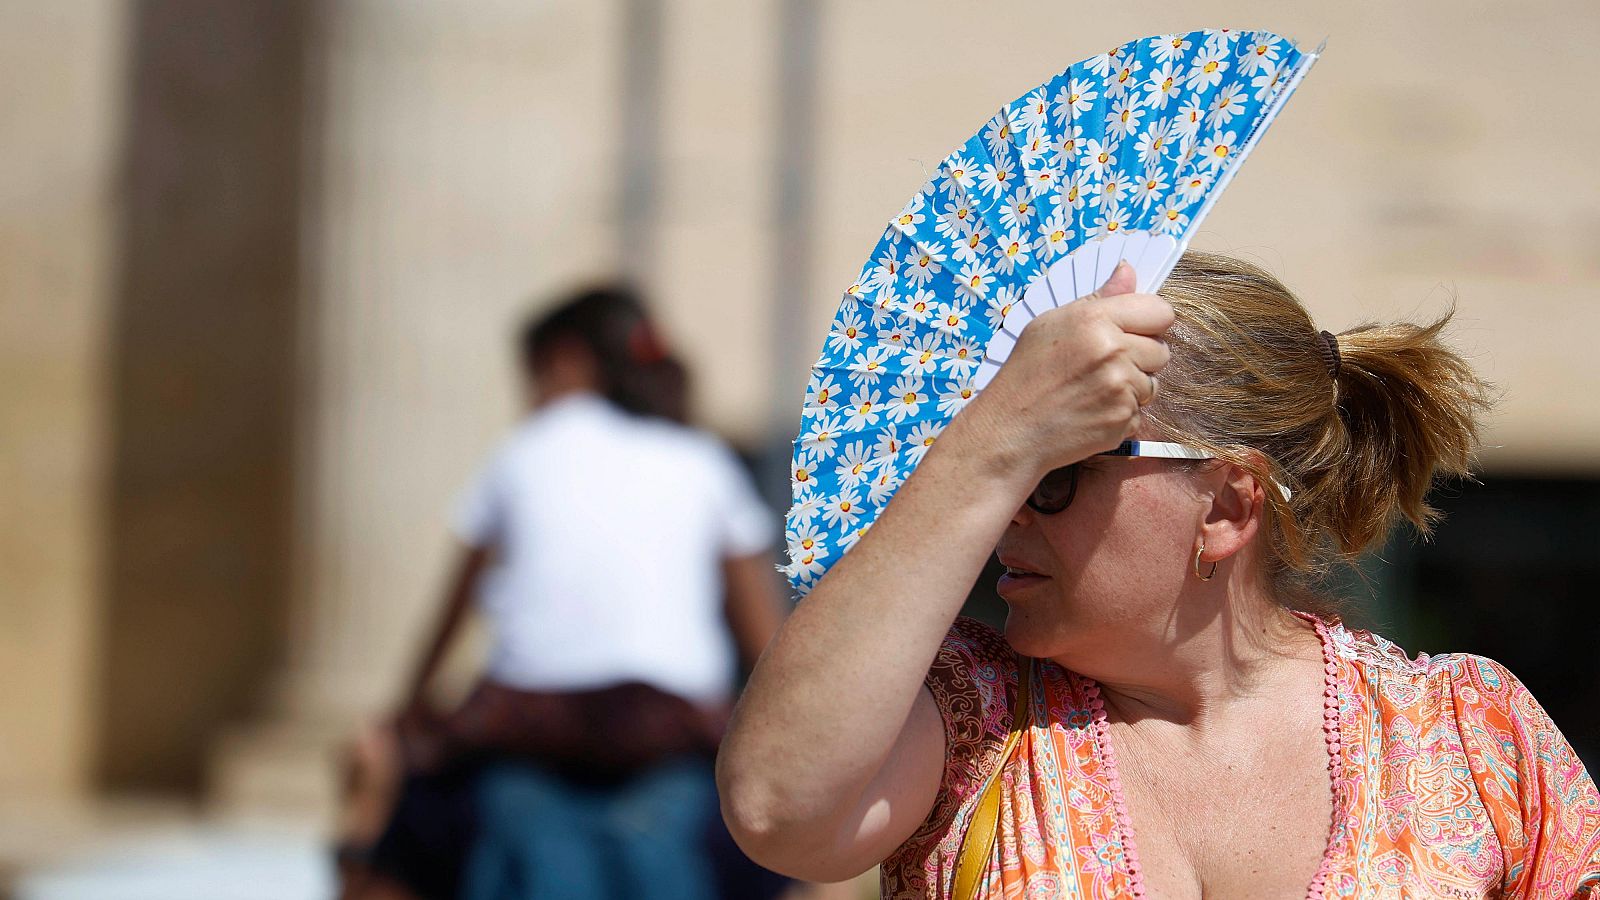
x: 972, y: 679
x: 1544, y: 806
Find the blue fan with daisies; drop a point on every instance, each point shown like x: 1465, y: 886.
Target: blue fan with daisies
x: 1119, y: 157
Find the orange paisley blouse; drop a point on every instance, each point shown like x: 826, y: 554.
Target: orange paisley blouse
x: 1448, y: 780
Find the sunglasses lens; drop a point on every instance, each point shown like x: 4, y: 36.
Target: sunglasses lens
x: 1054, y: 491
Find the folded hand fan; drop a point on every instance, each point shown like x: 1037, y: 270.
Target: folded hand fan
x: 1119, y: 157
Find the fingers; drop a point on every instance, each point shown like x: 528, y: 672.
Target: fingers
x: 1149, y: 354
x: 1145, y: 314
x: 1123, y: 280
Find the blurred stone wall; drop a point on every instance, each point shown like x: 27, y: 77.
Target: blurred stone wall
x: 59, y: 114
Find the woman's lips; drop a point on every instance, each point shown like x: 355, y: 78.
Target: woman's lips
x: 1017, y: 578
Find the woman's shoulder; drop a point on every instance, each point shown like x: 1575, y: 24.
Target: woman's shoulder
x: 1478, y: 697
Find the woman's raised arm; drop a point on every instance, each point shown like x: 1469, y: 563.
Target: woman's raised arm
x: 835, y: 752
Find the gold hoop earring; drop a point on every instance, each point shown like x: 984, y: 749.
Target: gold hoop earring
x: 1209, y: 575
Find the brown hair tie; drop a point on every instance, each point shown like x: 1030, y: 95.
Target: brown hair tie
x: 1330, y: 354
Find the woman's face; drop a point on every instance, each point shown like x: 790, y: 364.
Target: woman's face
x: 1110, y: 567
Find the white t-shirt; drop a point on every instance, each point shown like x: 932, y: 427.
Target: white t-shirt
x: 610, y: 531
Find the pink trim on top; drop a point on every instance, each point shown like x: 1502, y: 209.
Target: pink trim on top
x: 1102, y: 745
x: 1331, y: 692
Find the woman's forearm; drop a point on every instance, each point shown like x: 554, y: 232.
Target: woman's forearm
x: 823, y: 709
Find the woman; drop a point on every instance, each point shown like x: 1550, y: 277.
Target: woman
x: 1181, y: 680
x: 623, y: 563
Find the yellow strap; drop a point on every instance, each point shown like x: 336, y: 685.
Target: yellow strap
x: 977, y: 845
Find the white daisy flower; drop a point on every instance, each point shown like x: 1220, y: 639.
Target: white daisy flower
x: 1055, y: 234
x: 974, y: 245
x: 864, y: 409
x: 1170, y: 216
x: 1123, y: 117
x: 1124, y: 76
x: 1078, y: 186
x: 822, y: 438
x: 887, y: 269
x: 895, y: 336
x: 1097, y: 157
x: 1168, y: 47
x: 1152, y: 144
x: 805, y: 507
x: 997, y: 135
x: 955, y: 396
x: 1219, y: 149
x: 906, y: 397
x: 958, y: 173
x: 951, y: 319
x: 1267, y: 82
x: 806, y: 553
x: 1226, y: 104
x: 1018, y: 211
x: 855, y: 464
x: 1112, y: 219
x: 867, y: 368
x: 975, y: 280
x: 997, y: 178
x: 1077, y: 96
x: 912, y: 215
x: 958, y: 218
x: 1207, y: 68
x: 1189, y: 118
x: 1194, y: 187
x: 803, y: 471
x: 921, y: 439
x: 1259, y: 54
x: 1068, y: 144
x: 1110, y: 191
x: 1149, y: 188
x: 886, y: 448
x: 920, y: 306
x: 1101, y: 64
x: 1033, y: 112
x: 850, y: 538
x: 961, y: 359
x: 1014, y: 250
x: 1162, y: 87
x: 847, y: 333
x: 920, y: 268
x: 822, y: 392
x: 999, y: 306
x: 883, y: 311
x: 883, y: 487
x: 921, y: 355
x: 1033, y: 149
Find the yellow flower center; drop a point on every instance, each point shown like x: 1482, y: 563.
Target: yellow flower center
x: 1211, y: 67
x: 1056, y: 237
x: 1221, y: 150
x: 822, y: 396
x: 808, y: 543
x: 911, y: 398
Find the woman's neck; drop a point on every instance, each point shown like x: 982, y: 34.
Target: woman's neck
x: 1196, y: 672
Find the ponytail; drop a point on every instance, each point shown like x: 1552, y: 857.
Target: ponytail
x: 1410, y: 406
x: 1357, y: 426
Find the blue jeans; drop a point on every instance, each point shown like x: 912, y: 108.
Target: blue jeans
x: 542, y: 836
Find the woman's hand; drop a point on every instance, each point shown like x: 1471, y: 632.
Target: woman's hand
x: 1078, y: 376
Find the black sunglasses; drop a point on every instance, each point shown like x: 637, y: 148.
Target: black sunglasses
x: 1055, y: 490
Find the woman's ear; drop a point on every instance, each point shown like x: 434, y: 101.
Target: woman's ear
x: 1238, y: 507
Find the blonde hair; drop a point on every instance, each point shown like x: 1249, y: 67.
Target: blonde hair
x: 1250, y: 381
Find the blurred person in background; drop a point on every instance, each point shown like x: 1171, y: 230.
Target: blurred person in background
x: 624, y: 563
